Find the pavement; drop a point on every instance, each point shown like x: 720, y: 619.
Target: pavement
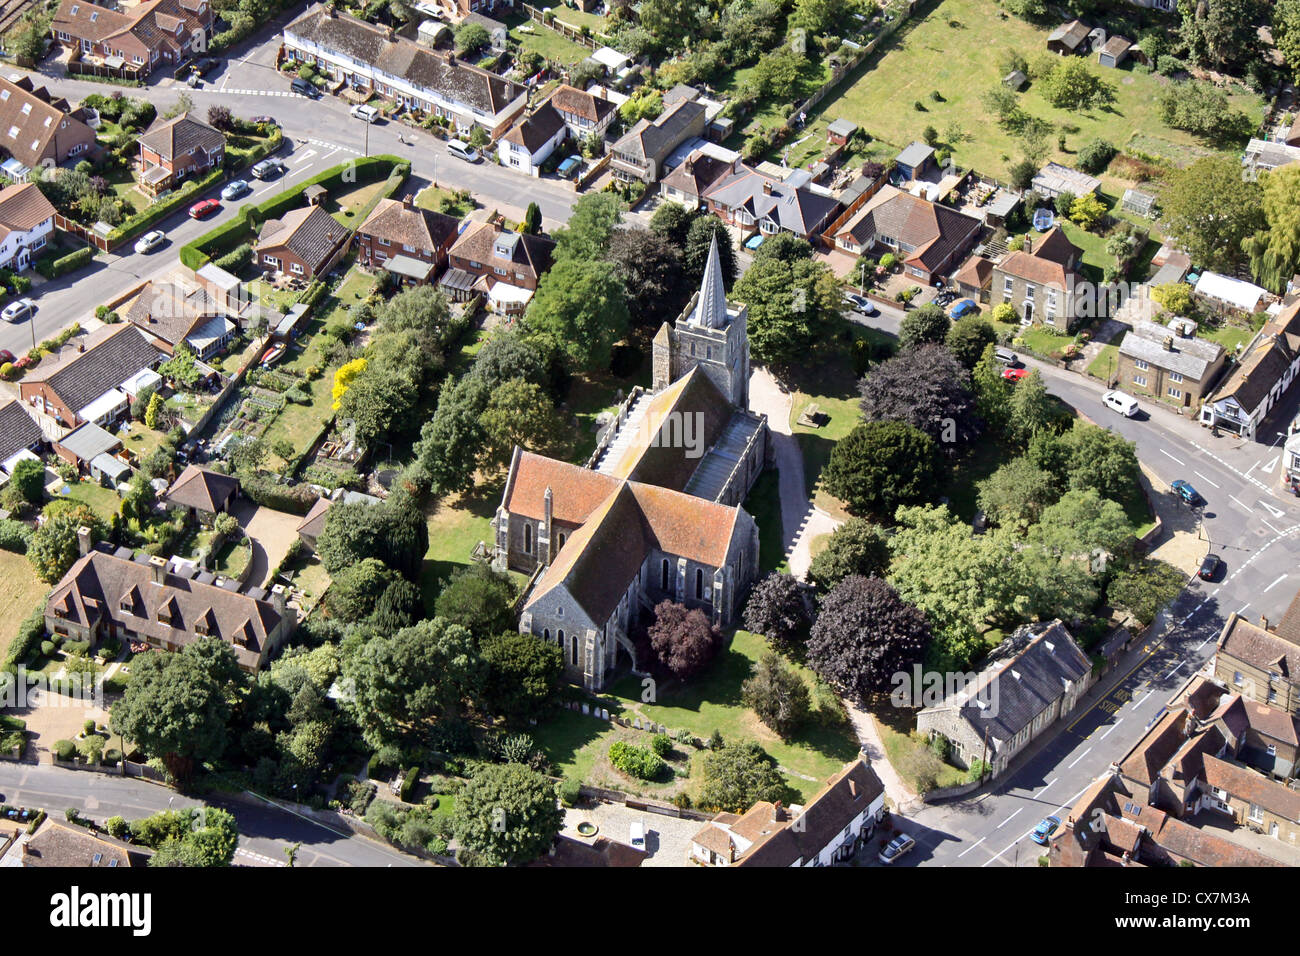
x: 667, y: 839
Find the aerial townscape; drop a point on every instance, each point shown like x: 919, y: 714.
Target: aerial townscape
x: 650, y: 433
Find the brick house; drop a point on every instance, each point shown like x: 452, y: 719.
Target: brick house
x: 1169, y: 362
x: 582, y: 112
x: 171, y: 314
x: 1260, y: 664
x: 1040, y: 281
x: 745, y: 198
x: 26, y: 224
x: 486, y: 257
x: 397, y: 231
x: 639, y: 154
x: 688, y: 182
x: 301, y: 242
x: 84, y: 385
x: 930, y: 239
x: 136, y: 39
x: 203, y: 493
x: 176, y: 148
x: 37, y: 130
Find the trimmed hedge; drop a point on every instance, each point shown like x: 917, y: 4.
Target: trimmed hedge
x: 14, y: 536
x: 64, y: 749
x: 28, y: 639
x: 297, y: 499
x: 53, y: 268
x: 408, y: 783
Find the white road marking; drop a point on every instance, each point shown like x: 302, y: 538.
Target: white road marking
x: 1242, y: 610
x: 1275, y: 512
x: 1028, y: 832
x: 969, y: 848
x: 1280, y: 578
x: 1110, y: 728
x: 1242, y: 503
x: 1048, y: 785
x: 1275, y: 531
x: 303, y: 169
x: 1167, y: 455
x: 1080, y: 757
x: 1144, y: 697
x: 1268, y: 469
x: 1008, y: 819
x: 1208, y: 481
x: 1177, y: 668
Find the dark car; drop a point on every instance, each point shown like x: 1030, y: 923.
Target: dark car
x: 1186, y: 492
x: 303, y: 88
x: 1209, y: 567
x: 205, y: 66
x: 945, y: 297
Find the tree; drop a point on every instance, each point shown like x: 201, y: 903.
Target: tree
x: 881, y: 465
x: 406, y: 681
x: 789, y: 303
x: 777, y: 694
x: 510, y: 355
x: 1095, y: 155
x: 423, y: 309
x: 219, y: 117
x: 344, y: 377
x: 927, y: 325
x: 479, y: 599
x: 1209, y: 209
x: 523, y: 676
x: 785, y: 246
x: 1087, y: 211
x: 580, y: 308
x: 673, y: 221
x: 470, y: 37
x: 532, y: 224
x: 590, y: 227
x: 651, y: 269
x: 1223, y: 35
x: 507, y: 815
x: 643, y: 104
x: 451, y: 441
x: 968, y: 338
x: 739, y: 775
x: 864, y: 635
x: 53, y: 547
x: 1204, y: 110
x: 855, y: 547
x: 780, y: 608
x: 1099, y: 459
x: 153, y: 412
x: 198, y: 837
x: 1286, y: 32
x: 518, y: 413
x: 1174, y: 297
x: 776, y: 73
x: 992, y: 392
x: 395, y: 532
x: 927, y: 388
x: 1083, y: 523
x: 1072, y: 85
x: 1031, y: 408
x: 695, y: 252
x: 682, y: 639
x: 356, y: 589
x: 400, y: 605
x: 28, y: 477
x: 1015, y: 495
x: 181, y: 368
x: 1145, y: 588
x: 1275, y: 250
x: 178, y: 705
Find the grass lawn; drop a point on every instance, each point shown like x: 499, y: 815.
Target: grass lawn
x: 1231, y: 337
x: 231, y: 559
x: 961, y: 490
x: 771, y: 112
x: 576, y: 744
x: 591, y: 394
x: 23, y: 591
x: 309, y: 577
x: 431, y: 197
x: 1105, y: 364
x: 532, y: 35
x: 456, y: 524
x: 764, y: 506
x: 140, y: 440
x: 956, y: 50
x: 346, y: 206
x: 909, y: 756
x: 104, y: 501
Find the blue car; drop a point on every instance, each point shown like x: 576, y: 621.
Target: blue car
x: 1044, y: 832
x: 1185, y: 491
x: 964, y: 307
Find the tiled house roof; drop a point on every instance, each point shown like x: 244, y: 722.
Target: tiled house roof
x: 1259, y: 648
x: 535, y: 131
x: 82, y: 377
x: 23, y: 207
x: 181, y: 136
x: 531, y: 256
x: 409, y: 225
x: 568, y: 99
x: 310, y: 233
x: 201, y: 489
x: 37, y: 120
x: 18, y: 430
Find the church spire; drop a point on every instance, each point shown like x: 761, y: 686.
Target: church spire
x: 711, y: 307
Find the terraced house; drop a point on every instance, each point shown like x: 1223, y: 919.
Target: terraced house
x: 374, y: 58
x: 135, y: 40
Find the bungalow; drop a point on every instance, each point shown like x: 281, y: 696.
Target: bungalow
x: 373, y: 58
x: 171, y: 314
x: 1267, y: 366
x: 176, y: 148
x: 408, y: 241
x: 746, y: 198
x: 639, y: 154
x: 303, y: 242
x: 506, y: 265
x: 1169, y: 362
x: 20, y: 436
x: 532, y: 141
x: 26, y: 224
x: 137, y: 39
x: 1049, y: 266
x: 203, y: 493
x: 930, y: 238
x: 37, y: 130
x: 313, y: 523
x: 86, y: 384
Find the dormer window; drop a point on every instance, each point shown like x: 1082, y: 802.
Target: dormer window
x: 27, y: 109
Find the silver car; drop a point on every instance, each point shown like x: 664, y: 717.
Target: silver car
x: 236, y: 189
x: 150, y: 241
x: 18, y: 310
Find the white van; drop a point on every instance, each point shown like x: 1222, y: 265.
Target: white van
x: 637, y: 834
x: 462, y: 150
x: 363, y: 112
x: 1126, y: 405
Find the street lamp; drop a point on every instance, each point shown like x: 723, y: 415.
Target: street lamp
x: 862, y: 278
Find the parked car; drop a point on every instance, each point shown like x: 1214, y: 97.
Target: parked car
x: 18, y: 310
x: 204, y: 208
x: 1014, y: 374
x: 268, y: 168
x: 6, y: 356
x: 1007, y: 357
x: 1209, y: 567
x: 1126, y: 405
x: 1044, y: 832
x: 897, y: 847
x: 268, y: 120
x: 150, y: 241
x: 363, y: 112
x: 236, y: 189
x: 860, y: 303
x: 194, y: 80
x: 944, y: 297
x: 205, y: 65
x: 463, y: 150
x: 1185, y: 491
x: 964, y: 307
x: 304, y: 88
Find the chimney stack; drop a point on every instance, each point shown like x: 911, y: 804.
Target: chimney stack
x: 408, y: 201
x: 767, y: 187
x: 1168, y: 343
x: 778, y: 812
x: 159, y: 566
x: 83, y: 540
x: 278, y: 598
x: 1263, y: 622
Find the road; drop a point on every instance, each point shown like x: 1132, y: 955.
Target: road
x: 318, y: 134
x: 264, y: 833
x: 1248, y: 520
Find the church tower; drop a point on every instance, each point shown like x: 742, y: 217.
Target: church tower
x: 711, y: 334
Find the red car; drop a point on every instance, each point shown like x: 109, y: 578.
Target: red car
x: 6, y: 356
x: 204, y: 208
x: 1014, y: 374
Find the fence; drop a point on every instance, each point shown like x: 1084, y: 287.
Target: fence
x: 643, y: 803
x: 591, y: 41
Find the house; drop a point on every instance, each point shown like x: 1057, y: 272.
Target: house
x: 1054, y: 179
x: 1031, y: 679
x: 1114, y: 51
x: 85, y: 384
x: 459, y: 10
x: 973, y: 278
x: 1264, y: 156
x: 313, y: 523
x: 691, y: 179
x: 39, y: 131
x: 112, y: 595
x: 93, y: 450
x: 837, y: 821
x: 1069, y: 38
x: 406, y: 240
x: 916, y: 161
x: 638, y: 155
x: 137, y: 39
x: 506, y: 265
x: 583, y: 112
x: 655, y: 515
x: 568, y: 852
x: 373, y: 58
x: 26, y: 224
x: 171, y: 314
x: 202, y: 492
x: 20, y: 436
x: 1169, y: 362
x: 531, y: 142
x: 179, y: 147
x: 302, y: 242
x: 1048, y: 266
x: 930, y: 239
x: 1262, y: 375
x: 56, y: 843
x: 1261, y: 665
x: 754, y: 202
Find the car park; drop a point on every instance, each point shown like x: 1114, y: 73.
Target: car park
x: 236, y: 189
x: 1126, y: 405
x: 18, y: 310
x: 204, y: 208
x: 1014, y: 374
x: 150, y: 241
x: 1209, y: 567
x: 897, y: 847
x: 1045, y: 830
x: 462, y: 150
x: 268, y: 168
x: 1186, y: 492
x: 964, y: 307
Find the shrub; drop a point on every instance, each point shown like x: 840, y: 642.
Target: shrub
x: 14, y: 536
x: 116, y: 827
x: 47, y: 648
x: 52, y: 268
x: 636, y: 761
x: 569, y: 791
x: 408, y: 784
x: 661, y: 744
x: 64, y: 749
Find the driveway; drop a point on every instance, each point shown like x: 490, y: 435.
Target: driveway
x: 667, y: 839
x: 272, y: 532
